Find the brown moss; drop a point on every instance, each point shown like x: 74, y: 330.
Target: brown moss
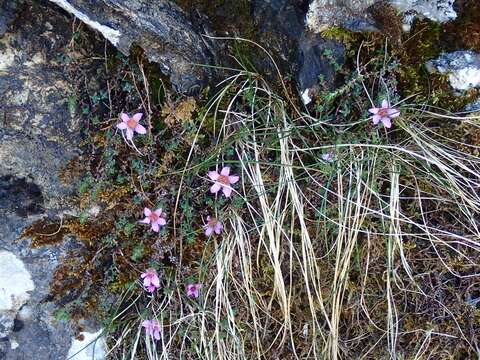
x: 389, y: 22
x: 44, y: 232
x: 464, y: 31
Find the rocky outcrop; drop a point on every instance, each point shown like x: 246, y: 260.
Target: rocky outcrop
x: 159, y: 27
x: 40, y: 133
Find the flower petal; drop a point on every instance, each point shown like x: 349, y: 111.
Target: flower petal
x: 158, y: 212
x: 122, y: 125
x: 393, y: 112
x: 129, y: 134
x: 146, y: 323
x: 162, y: 221
x: 233, y: 179
x: 156, y: 334
x: 156, y: 281
x: 147, y: 211
x: 124, y: 117
x: 155, y: 227
x: 137, y: 117
x: 385, y: 104
x: 209, y: 231
x: 373, y: 110
x: 215, y: 188
x: 218, y: 228
x: 225, y: 171
x: 227, y: 191
x: 213, y: 175
x: 140, y: 129
x: 145, y: 221
x: 386, y: 122
x: 376, y: 119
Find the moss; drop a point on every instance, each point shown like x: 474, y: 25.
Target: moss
x: 388, y: 21
x: 45, y: 232
x: 73, y: 170
x: 426, y: 41
x: 464, y: 31
x: 339, y: 34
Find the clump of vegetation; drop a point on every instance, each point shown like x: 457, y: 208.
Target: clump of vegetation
x: 345, y: 236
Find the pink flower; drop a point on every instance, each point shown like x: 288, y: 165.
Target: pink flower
x: 152, y: 328
x: 150, y: 280
x: 155, y: 218
x: 328, y: 156
x: 131, y: 125
x: 212, y: 225
x: 193, y: 290
x: 222, y: 181
x: 385, y: 114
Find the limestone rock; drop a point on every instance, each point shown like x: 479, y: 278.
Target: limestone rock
x: 88, y: 346
x: 462, y: 68
x: 435, y: 10
x: 350, y: 14
x: 15, y: 287
x: 354, y: 14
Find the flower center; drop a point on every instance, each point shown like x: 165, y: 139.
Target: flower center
x: 222, y: 179
x: 131, y: 123
x: 153, y: 217
x: 383, y: 112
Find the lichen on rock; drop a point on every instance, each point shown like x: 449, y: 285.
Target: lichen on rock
x: 461, y: 67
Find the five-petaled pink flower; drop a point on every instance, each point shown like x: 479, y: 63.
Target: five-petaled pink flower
x: 131, y: 125
x: 150, y: 280
x: 193, y: 290
x: 152, y: 328
x: 222, y: 181
x: 385, y: 114
x: 155, y: 218
x: 212, y: 225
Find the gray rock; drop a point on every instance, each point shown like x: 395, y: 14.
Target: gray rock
x: 88, y: 346
x: 353, y: 14
x: 281, y: 29
x: 461, y: 67
x: 435, y: 10
x: 349, y: 14
x: 159, y: 27
x: 8, y: 10
x: 39, y: 135
x: 318, y: 57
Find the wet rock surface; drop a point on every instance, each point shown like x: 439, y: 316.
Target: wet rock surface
x: 39, y: 136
